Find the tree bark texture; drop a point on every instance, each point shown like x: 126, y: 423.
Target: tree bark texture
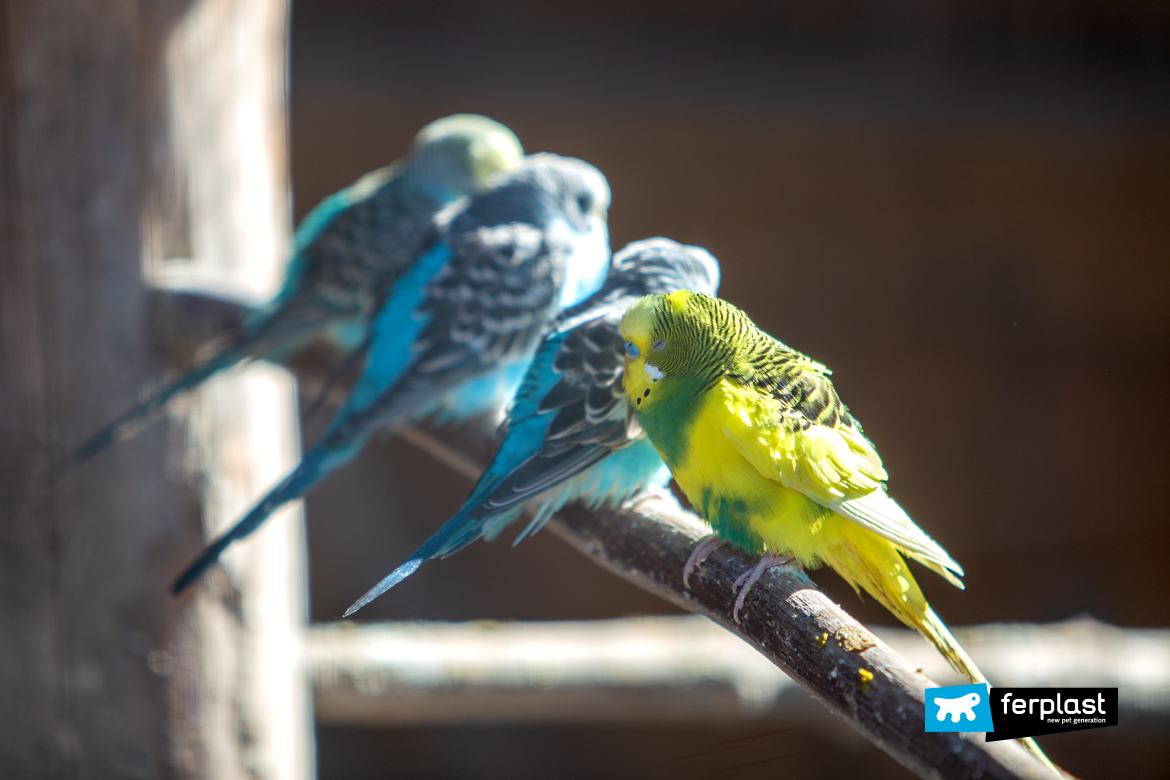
x: 131, y: 133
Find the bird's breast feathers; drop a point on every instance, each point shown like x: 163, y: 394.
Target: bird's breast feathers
x: 713, y: 461
x: 741, y: 505
x: 759, y: 479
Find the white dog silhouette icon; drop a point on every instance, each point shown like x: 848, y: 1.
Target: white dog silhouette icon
x: 964, y: 705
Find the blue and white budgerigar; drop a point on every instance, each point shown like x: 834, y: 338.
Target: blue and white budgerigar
x: 460, y: 327
x: 571, y: 434
x: 349, y: 251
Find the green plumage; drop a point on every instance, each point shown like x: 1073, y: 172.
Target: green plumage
x: 756, y: 436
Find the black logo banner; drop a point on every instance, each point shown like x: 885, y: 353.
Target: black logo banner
x: 1030, y: 712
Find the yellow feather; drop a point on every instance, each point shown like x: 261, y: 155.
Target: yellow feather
x: 727, y: 454
x: 828, y: 463
x: 727, y: 457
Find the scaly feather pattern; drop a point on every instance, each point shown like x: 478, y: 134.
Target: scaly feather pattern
x: 757, y: 438
x: 348, y: 253
x: 459, y: 329
x: 571, y: 434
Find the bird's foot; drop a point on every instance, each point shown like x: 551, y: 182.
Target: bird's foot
x: 746, y: 580
x: 705, y: 547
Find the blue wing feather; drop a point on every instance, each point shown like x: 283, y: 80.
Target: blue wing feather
x: 316, y: 463
x: 570, y: 435
x: 396, y: 329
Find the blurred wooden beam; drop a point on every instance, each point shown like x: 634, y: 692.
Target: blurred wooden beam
x: 225, y: 225
x: 648, y: 670
x: 132, y: 133
x: 856, y: 675
x: 670, y: 670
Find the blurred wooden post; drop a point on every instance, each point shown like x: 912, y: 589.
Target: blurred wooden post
x: 129, y: 134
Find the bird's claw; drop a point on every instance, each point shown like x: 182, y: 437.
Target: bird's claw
x: 704, y: 548
x: 745, y: 581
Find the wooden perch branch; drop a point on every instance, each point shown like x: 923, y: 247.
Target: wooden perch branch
x: 786, y: 618
x: 824, y: 650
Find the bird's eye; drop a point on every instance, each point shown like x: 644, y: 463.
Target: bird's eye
x: 657, y: 345
x: 585, y: 203
x: 632, y: 350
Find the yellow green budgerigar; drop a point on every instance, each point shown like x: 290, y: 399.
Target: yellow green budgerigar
x: 756, y: 437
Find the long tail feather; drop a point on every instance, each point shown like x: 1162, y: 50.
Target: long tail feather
x: 138, y: 418
x: 864, y: 559
x: 455, y: 534
x: 388, y: 582
x: 941, y: 637
x: 314, y: 466
x: 275, y: 332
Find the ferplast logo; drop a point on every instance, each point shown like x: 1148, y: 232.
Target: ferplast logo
x: 1013, y: 713
x: 1029, y: 712
x: 959, y: 708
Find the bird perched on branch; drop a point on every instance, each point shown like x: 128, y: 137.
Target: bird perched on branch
x: 462, y: 324
x: 571, y: 434
x: 758, y: 440
x: 348, y: 252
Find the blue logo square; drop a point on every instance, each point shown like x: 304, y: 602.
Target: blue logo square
x: 959, y: 708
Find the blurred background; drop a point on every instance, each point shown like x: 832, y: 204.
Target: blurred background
x: 963, y: 208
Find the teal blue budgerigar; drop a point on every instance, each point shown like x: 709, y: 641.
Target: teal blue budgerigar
x: 348, y: 253
x: 571, y: 434
x: 459, y: 328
